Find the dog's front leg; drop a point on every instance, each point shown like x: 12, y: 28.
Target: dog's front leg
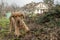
x: 25, y: 26
x: 17, y: 33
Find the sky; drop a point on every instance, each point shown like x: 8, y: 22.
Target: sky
x: 22, y: 2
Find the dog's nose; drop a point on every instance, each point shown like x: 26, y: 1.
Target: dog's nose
x: 18, y: 22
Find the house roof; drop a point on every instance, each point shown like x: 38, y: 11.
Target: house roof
x: 32, y: 6
x: 42, y: 5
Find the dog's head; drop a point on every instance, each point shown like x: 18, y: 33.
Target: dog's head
x: 18, y: 16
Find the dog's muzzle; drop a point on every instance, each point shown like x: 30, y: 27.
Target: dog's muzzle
x: 18, y: 22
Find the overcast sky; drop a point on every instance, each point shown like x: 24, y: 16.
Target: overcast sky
x: 22, y: 2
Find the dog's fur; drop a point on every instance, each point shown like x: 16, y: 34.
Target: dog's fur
x: 16, y: 21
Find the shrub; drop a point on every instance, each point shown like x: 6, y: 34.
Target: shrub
x: 4, y: 22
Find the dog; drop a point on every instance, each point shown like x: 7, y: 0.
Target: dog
x: 16, y: 21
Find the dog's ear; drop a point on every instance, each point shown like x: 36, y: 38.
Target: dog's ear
x: 22, y: 15
x: 12, y: 15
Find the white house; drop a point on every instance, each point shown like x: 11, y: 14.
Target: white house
x: 40, y: 8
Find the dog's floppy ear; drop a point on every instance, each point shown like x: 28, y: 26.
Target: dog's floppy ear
x: 22, y: 15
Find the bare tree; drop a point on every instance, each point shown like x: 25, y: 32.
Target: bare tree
x: 49, y: 2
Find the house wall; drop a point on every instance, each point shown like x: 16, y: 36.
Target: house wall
x: 40, y: 8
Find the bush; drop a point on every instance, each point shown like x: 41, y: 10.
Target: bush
x: 4, y: 22
x: 49, y: 16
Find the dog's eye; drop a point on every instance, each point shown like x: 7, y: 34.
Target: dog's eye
x: 12, y: 16
x: 15, y: 16
x: 19, y: 16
